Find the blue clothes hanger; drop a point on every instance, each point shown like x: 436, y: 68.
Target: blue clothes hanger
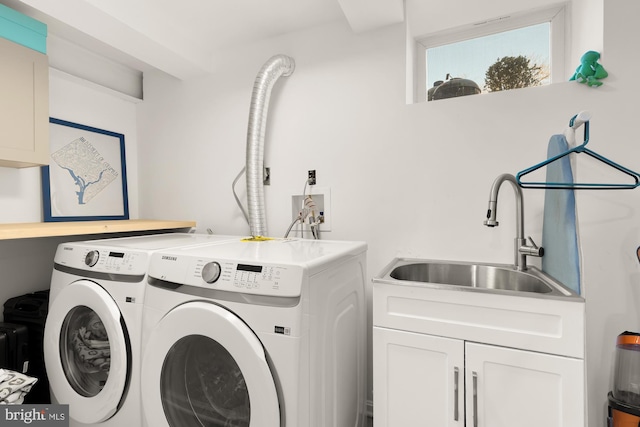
x: 575, y: 122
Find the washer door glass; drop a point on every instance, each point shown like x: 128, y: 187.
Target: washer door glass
x: 201, y: 384
x: 87, y: 352
x: 203, y: 366
x: 84, y: 351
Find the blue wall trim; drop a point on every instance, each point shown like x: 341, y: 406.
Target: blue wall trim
x: 22, y: 29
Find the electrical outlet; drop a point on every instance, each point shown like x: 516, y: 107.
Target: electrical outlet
x: 322, y: 199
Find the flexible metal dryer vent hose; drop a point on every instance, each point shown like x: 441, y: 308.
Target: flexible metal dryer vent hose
x: 272, y: 70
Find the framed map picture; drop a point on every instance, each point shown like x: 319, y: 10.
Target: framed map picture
x: 86, y: 179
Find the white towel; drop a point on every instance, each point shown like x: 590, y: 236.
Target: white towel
x: 14, y: 386
x: 560, y: 227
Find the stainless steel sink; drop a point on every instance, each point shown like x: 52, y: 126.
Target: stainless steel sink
x: 474, y: 276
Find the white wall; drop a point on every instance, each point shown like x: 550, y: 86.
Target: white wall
x: 610, y: 221
x: 587, y: 28
x: 26, y: 264
x: 411, y: 180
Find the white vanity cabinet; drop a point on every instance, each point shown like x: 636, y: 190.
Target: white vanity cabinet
x: 418, y: 379
x: 447, y: 358
x: 508, y: 387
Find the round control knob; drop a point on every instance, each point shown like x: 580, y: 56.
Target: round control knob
x: 92, y: 258
x: 211, y: 272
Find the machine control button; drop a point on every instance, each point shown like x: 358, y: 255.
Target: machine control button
x: 92, y: 258
x: 211, y: 272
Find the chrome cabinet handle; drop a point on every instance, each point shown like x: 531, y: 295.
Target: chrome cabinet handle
x: 475, y: 399
x: 456, y: 372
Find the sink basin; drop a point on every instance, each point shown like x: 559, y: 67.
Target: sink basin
x: 474, y: 276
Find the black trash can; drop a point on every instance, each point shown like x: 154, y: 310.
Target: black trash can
x: 14, y: 347
x: 31, y: 310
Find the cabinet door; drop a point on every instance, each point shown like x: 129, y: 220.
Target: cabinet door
x: 507, y: 387
x: 24, y: 106
x: 417, y: 380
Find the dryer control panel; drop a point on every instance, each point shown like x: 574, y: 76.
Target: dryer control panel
x: 233, y: 276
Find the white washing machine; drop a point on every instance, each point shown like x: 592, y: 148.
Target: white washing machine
x: 93, y: 328
x: 260, y: 334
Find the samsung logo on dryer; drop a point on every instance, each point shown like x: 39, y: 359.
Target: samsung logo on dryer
x: 169, y: 258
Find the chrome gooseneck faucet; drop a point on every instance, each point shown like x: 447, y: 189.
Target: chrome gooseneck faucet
x: 521, y: 249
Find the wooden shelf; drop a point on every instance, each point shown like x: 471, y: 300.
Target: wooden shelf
x: 50, y: 229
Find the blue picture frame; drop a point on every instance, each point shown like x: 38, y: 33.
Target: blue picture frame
x: 86, y: 179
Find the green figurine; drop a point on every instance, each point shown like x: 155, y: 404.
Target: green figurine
x: 590, y: 71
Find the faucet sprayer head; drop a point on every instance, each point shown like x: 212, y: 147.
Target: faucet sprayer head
x: 491, y: 220
x: 490, y: 223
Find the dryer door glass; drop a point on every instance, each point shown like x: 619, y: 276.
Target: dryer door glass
x: 85, y: 351
x: 202, y: 385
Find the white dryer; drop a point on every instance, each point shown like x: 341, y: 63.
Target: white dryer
x: 260, y: 334
x: 93, y: 327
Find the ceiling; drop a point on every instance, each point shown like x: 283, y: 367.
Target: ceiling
x: 182, y: 38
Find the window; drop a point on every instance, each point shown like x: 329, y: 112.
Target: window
x: 499, y: 54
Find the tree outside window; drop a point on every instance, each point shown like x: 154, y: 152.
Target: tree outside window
x: 514, y: 72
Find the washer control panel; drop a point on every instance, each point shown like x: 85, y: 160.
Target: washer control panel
x: 102, y: 260
x: 247, y: 276
x: 260, y: 279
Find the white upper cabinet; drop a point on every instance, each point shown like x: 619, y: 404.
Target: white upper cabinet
x: 24, y: 85
x: 24, y: 106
